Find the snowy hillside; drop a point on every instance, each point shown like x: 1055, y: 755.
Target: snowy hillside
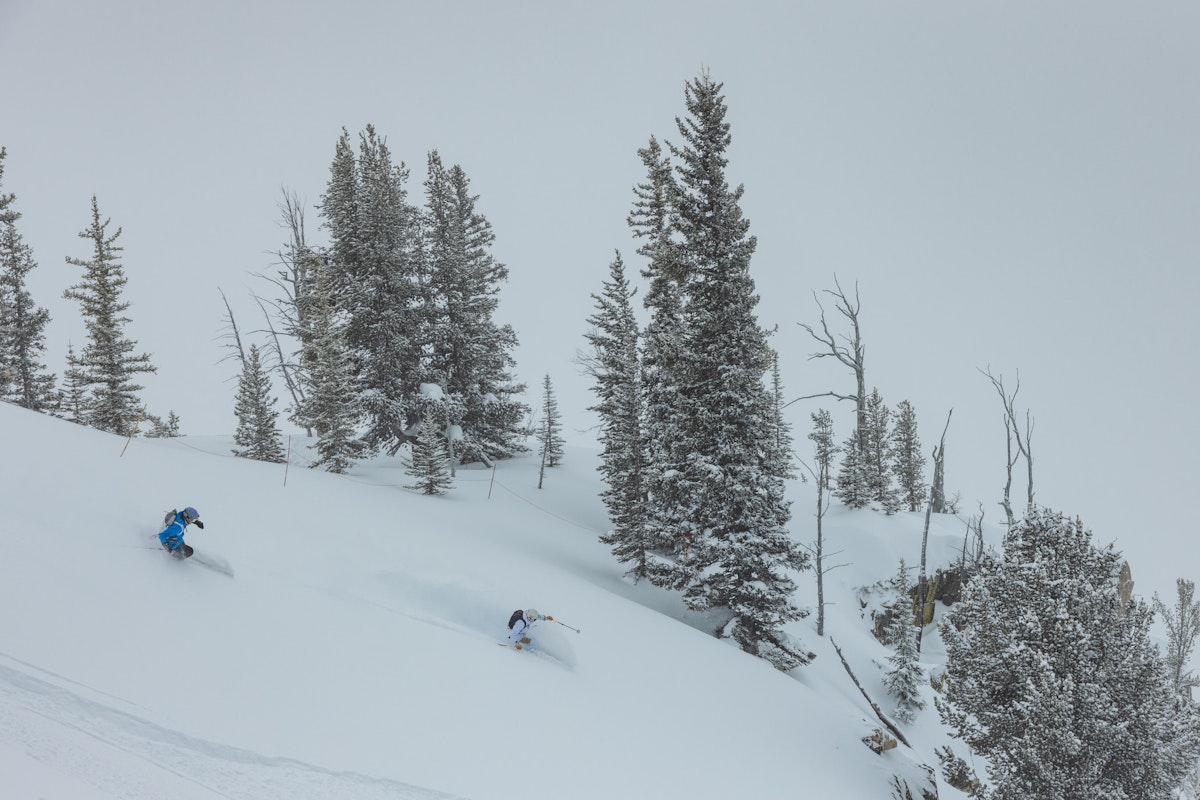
x: 354, y: 653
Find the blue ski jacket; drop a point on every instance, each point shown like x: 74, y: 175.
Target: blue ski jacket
x: 172, y: 535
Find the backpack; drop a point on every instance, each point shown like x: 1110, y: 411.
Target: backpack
x: 169, y: 519
x: 516, y: 615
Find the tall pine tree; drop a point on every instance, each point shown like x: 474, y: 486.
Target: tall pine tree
x: 908, y: 462
x: 377, y: 270
x: 744, y: 558
x: 107, y: 364
x: 877, y: 455
x: 614, y: 367
x: 329, y: 396
x: 664, y: 547
x: 550, y: 431
x: 781, y: 441
x: 23, y: 376
x: 468, y: 353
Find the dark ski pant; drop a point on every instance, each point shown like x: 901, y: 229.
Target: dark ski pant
x: 183, y: 551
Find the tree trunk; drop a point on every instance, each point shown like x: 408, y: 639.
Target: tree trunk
x: 922, y: 581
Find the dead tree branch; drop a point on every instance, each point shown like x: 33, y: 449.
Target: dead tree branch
x: 878, y: 712
x: 1012, y: 432
x: 939, y: 455
x: 233, y: 334
x: 847, y: 350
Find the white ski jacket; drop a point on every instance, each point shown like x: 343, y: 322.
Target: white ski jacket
x: 523, y: 627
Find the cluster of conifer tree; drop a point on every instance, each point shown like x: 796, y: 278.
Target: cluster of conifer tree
x: 393, y: 319
x: 402, y: 298
x: 882, y: 463
x: 695, y: 451
x: 98, y: 387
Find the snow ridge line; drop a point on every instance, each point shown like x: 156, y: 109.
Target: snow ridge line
x: 106, y: 738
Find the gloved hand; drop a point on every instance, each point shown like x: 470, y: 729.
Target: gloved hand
x: 525, y: 640
x: 550, y: 618
x: 517, y: 646
x: 199, y: 524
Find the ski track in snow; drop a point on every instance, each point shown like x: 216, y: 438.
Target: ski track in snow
x: 214, y: 563
x: 110, y: 748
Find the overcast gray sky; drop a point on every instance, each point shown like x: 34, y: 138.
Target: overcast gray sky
x: 1010, y: 184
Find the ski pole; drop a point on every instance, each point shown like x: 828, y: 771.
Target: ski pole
x: 565, y: 625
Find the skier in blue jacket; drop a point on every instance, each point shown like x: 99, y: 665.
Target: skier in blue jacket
x: 172, y: 535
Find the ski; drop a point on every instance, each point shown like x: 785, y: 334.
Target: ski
x: 213, y: 563
x: 218, y: 565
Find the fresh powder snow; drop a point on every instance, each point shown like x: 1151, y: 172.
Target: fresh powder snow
x: 353, y: 652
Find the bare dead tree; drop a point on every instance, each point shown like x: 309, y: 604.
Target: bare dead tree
x: 1183, y: 628
x: 1012, y: 433
x: 294, y: 278
x: 937, y: 487
x: 972, y: 550
x: 821, y: 478
x: 289, y: 370
x: 233, y: 334
x: 874, y: 706
x: 824, y: 451
x: 938, y: 454
x: 847, y: 349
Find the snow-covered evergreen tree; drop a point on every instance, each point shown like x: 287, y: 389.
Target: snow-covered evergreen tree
x: 907, y: 461
x: 877, y: 456
x: 376, y: 270
x: 467, y: 352
x: 743, y: 557
x: 73, y: 399
x: 257, y: 435
x: 903, y: 678
x: 549, y: 433
x: 853, y: 486
x: 1055, y: 681
x: 430, y: 456
x: 163, y: 429
x: 614, y: 366
x: 665, y: 544
x: 23, y: 377
x: 107, y: 364
x: 329, y: 395
x: 780, y: 457
x: 7, y: 213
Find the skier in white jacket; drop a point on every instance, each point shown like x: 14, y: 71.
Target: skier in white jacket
x: 520, y: 626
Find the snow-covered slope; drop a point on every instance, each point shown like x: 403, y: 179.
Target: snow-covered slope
x: 354, y: 653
